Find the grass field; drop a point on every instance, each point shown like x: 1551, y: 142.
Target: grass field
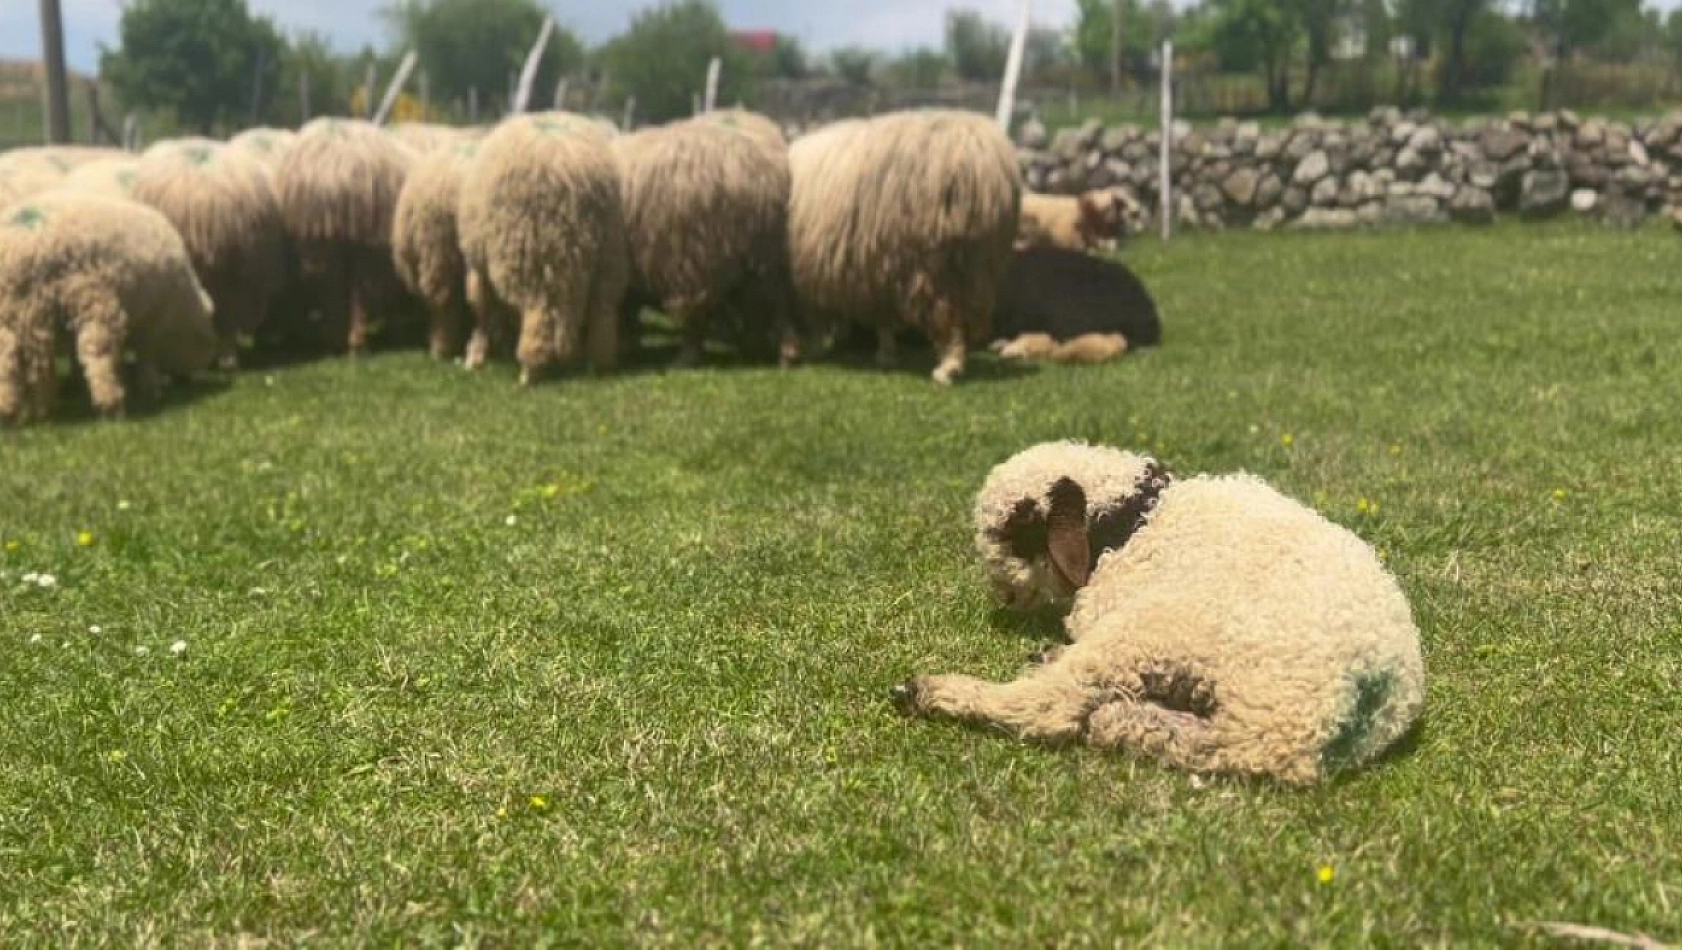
x: 607, y: 662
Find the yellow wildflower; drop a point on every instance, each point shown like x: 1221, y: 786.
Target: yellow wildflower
x: 1287, y: 440
x: 84, y: 539
x: 1559, y: 494
x: 1326, y: 874
x: 539, y: 803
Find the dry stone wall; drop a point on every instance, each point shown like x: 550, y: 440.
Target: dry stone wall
x: 1390, y: 168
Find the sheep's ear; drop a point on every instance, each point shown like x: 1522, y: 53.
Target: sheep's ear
x: 1066, y: 525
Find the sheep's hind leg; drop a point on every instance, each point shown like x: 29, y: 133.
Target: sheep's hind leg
x: 950, y: 345
x: 478, y: 300
x: 99, y: 348
x: 1179, y: 738
x: 1039, y: 707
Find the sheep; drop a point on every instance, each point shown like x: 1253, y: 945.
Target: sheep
x: 543, y: 233
x: 906, y: 218
x: 219, y: 198
x: 338, y: 187
x: 268, y: 146
x: 116, y: 274
x: 21, y: 180
x: 765, y: 133
x: 424, y: 138
x: 706, y: 219
x: 1075, y: 222
x: 113, y: 177
x: 426, y: 247
x: 1217, y: 625
x: 1071, y: 307
x: 60, y: 158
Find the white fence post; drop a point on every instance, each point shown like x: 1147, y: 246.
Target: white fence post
x: 392, y: 91
x: 1165, y: 182
x: 528, y: 73
x: 1013, y: 67
x: 713, y: 69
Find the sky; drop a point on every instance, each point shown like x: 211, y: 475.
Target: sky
x: 819, y: 24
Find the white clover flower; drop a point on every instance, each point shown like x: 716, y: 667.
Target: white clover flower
x: 46, y: 581
x: 511, y: 520
x: 142, y: 650
x: 95, y: 628
x: 30, y: 578
x: 178, y: 647
x: 124, y: 505
x: 35, y: 638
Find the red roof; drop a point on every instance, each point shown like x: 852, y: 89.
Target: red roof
x: 760, y: 41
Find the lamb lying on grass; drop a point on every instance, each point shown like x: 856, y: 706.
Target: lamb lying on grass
x: 117, y: 275
x: 1216, y: 625
x: 1071, y: 307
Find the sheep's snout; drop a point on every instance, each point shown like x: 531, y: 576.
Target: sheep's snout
x: 907, y: 697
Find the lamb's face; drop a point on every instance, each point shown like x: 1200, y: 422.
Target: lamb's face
x: 1045, y: 517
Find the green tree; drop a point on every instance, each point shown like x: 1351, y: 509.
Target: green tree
x: 977, y: 47
x: 1573, y: 25
x: 208, y: 62
x: 1260, y: 35
x: 1319, y: 19
x: 662, y: 59
x: 311, y: 65
x: 1143, y: 28
x: 786, y: 60
x: 1673, y: 37
x: 463, y: 45
x: 853, y: 65
x: 921, y: 68
x: 1458, y: 16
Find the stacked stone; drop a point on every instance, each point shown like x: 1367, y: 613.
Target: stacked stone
x: 1390, y: 168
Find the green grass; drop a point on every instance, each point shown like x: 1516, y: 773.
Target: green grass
x: 672, y: 606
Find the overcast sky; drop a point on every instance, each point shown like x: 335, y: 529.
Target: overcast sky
x: 820, y: 24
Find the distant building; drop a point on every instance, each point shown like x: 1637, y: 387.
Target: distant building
x: 755, y: 41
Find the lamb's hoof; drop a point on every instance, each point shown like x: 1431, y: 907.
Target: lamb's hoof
x: 943, y: 376
x: 905, y: 697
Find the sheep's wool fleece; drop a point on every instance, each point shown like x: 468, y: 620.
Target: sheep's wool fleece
x: 424, y: 241
x: 1303, y: 641
x: 339, y: 182
x: 540, y: 210
x: 75, y: 254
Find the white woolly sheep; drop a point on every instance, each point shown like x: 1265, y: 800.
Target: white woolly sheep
x: 706, y: 219
x: 543, y: 233
x: 23, y: 179
x: 1223, y: 628
x: 424, y: 138
x: 268, y: 147
x: 338, y: 187
x: 60, y: 158
x: 112, y: 177
x: 907, y: 218
x: 426, y: 246
x: 222, y: 203
x: 115, y: 273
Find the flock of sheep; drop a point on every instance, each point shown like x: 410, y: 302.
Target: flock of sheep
x: 542, y: 237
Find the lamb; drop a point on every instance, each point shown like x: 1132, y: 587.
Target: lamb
x: 706, y: 220
x: 22, y: 180
x: 425, y: 138
x: 543, y: 232
x: 338, y: 187
x: 117, y: 275
x: 1075, y: 222
x: 426, y: 246
x: 220, y: 200
x: 1217, y: 625
x: 1071, y: 307
x: 907, y: 218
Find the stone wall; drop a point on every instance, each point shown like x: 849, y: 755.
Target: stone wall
x: 1391, y: 168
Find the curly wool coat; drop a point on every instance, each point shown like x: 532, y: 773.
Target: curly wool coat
x: 1216, y: 624
x: 114, y: 273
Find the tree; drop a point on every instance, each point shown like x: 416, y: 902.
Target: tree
x: 1458, y: 17
x: 1142, y: 30
x: 311, y: 65
x: 921, y: 68
x: 786, y: 60
x: 1260, y: 35
x: 1673, y: 37
x: 853, y: 65
x: 977, y: 47
x: 464, y: 45
x: 1572, y: 25
x: 206, y: 61
x: 1319, y: 18
x: 662, y: 59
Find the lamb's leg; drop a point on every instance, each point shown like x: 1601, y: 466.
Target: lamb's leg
x: 1179, y: 738
x: 357, y: 342
x: 534, y: 351
x: 14, y: 387
x: 946, y: 331
x: 99, y: 348
x: 441, y: 332
x: 478, y: 300
x: 1043, y: 705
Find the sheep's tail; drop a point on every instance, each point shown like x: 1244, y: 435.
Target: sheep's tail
x: 11, y: 373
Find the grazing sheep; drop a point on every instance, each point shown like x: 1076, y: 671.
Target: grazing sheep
x: 1071, y: 307
x: 338, y: 187
x: 543, y: 233
x: 112, y: 177
x: 906, y: 219
x: 706, y: 219
x: 765, y: 133
x: 115, y: 273
x: 424, y: 138
x: 21, y: 180
x: 60, y: 158
x: 267, y: 146
x: 1216, y: 625
x: 426, y: 247
x: 220, y: 200
x: 1075, y: 222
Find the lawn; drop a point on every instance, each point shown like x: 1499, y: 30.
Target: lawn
x: 383, y: 652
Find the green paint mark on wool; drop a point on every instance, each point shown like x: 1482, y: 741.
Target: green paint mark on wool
x: 1372, y: 690
x: 125, y: 180
x: 554, y: 126
x: 28, y: 217
x: 198, y: 154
